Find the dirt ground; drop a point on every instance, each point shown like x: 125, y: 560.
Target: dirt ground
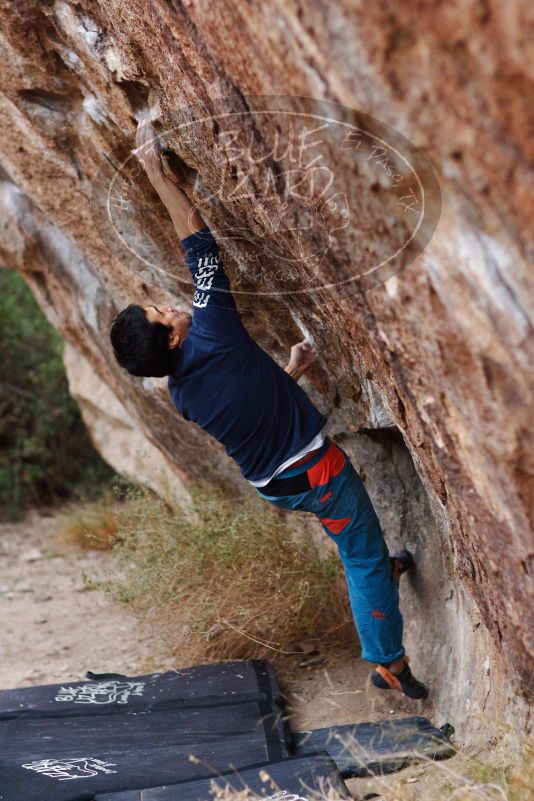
x: 55, y: 629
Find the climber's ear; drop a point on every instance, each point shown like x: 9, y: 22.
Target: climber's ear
x: 175, y: 340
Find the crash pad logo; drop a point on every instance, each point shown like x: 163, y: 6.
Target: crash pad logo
x: 65, y: 769
x: 305, y: 194
x: 106, y: 692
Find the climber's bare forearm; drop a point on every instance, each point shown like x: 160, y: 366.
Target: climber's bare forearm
x: 294, y: 372
x: 184, y: 216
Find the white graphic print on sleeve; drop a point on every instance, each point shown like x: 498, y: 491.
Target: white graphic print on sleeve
x: 207, y: 266
x: 200, y: 300
x: 64, y: 769
x: 104, y: 692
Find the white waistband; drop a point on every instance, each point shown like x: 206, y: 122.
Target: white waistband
x: 315, y: 443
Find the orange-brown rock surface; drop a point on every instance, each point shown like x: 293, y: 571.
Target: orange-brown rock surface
x: 424, y: 366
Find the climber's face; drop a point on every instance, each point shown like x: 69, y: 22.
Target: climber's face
x: 176, y: 320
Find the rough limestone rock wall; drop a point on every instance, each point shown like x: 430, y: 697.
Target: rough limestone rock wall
x: 425, y: 375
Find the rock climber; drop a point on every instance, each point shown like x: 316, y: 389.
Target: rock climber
x: 221, y: 379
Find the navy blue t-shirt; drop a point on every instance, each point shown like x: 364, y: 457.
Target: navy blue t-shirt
x: 229, y: 386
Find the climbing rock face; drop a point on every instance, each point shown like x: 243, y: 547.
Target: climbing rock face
x: 395, y: 236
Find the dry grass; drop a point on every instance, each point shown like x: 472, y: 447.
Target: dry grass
x: 232, y: 581
x: 93, y: 526
x: 485, y: 775
x: 221, y: 791
x: 475, y: 774
x: 520, y: 777
x: 232, y: 574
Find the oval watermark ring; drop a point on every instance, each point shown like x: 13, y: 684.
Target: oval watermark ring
x: 310, y: 195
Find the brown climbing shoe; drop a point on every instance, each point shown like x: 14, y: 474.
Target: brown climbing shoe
x: 404, y: 681
x: 401, y: 562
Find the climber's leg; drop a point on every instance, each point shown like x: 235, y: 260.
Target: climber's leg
x: 349, y: 519
x: 338, y: 497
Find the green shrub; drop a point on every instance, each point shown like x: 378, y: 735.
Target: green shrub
x: 45, y: 451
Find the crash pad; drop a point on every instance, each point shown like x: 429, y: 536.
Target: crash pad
x: 366, y: 749
x: 147, y: 735
x: 305, y: 778
x: 47, y: 758
x: 202, y: 685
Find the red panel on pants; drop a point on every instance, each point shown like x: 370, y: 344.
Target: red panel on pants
x: 326, y: 468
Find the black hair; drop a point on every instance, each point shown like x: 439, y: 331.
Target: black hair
x: 141, y: 347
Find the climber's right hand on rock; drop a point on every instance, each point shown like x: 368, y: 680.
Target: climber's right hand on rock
x: 147, y: 151
x: 302, y: 357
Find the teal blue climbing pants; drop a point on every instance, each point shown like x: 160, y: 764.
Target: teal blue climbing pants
x: 326, y: 484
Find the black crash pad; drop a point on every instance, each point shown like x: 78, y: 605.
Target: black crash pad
x: 296, y: 779
x: 115, y: 734
x: 366, y: 749
x: 60, y: 758
x: 203, y: 685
